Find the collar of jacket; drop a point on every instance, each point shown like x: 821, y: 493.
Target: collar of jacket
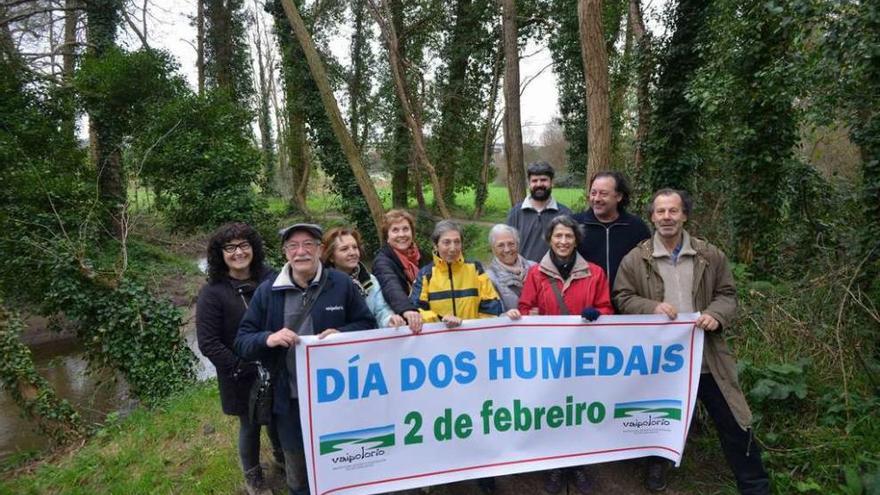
x: 581, y: 268
x: 700, y: 247
x: 590, y: 218
x: 551, y: 204
x: 646, y: 247
x: 658, y: 250
x: 284, y: 282
x: 441, y: 263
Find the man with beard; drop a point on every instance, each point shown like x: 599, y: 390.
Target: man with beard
x: 533, y: 214
x: 609, y: 230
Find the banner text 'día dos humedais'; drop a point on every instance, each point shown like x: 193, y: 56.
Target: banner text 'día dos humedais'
x: 385, y: 410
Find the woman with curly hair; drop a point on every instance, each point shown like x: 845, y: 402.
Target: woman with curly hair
x: 235, y: 268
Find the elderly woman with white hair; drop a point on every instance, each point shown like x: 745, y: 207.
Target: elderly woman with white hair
x: 508, y: 268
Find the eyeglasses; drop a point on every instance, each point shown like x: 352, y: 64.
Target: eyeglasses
x: 230, y: 248
x: 307, y: 245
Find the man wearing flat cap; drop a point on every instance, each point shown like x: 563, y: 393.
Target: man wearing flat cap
x: 279, y: 313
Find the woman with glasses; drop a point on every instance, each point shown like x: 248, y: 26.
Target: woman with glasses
x: 343, y: 251
x: 235, y: 269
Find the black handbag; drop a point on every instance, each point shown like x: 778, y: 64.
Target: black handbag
x: 263, y: 388
x: 260, y: 399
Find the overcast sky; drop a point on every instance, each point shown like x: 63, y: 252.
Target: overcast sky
x: 170, y: 29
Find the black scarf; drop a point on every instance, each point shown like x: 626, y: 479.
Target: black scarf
x: 564, y: 266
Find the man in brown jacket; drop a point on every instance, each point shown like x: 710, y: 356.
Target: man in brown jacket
x: 673, y: 273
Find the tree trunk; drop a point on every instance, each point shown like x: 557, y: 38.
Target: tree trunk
x: 221, y: 41
x: 413, y: 122
x: 595, y: 60
x: 513, y: 145
x: 417, y: 182
x: 68, y: 61
x: 200, y: 45
x: 267, y: 146
x: 643, y: 79
x: 345, y: 140
x: 102, y: 20
x: 491, y: 129
x: 453, y: 100
x: 298, y: 155
x: 619, y: 83
x: 401, y: 156
x: 356, y: 84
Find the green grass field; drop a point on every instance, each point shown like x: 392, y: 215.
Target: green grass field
x: 322, y: 202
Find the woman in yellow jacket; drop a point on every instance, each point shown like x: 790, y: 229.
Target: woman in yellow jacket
x: 452, y: 289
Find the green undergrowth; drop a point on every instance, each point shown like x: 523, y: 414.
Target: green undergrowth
x: 184, y: 447
x: 810, y: 374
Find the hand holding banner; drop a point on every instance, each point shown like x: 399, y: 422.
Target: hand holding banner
x: 386, y: 410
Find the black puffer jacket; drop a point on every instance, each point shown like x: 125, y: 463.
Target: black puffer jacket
x: 395, y: 287
x: 219, y: 310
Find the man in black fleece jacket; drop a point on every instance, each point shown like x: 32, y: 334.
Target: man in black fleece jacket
x: 609, y: 231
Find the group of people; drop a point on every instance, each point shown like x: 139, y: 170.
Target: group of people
x: 546, y: 261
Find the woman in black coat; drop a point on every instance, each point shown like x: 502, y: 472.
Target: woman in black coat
x: 235, y: 269
x: 397, y: 263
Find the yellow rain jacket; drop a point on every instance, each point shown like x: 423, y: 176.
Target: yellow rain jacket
x: 461, y: 288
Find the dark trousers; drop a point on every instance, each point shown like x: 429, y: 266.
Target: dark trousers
x: 290, y: 433
x: 249, y: 442
x: 740, y: 449
x: 739, y: 446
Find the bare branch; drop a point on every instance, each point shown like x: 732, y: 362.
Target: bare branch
x: 529, y: 80
x: 141, y: 35
x: 30, y: 13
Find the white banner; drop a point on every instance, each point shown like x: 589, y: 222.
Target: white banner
x: 384, y: 410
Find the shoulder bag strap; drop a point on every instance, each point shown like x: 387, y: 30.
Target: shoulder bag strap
x: 309, y: 299
x: 563, y: 308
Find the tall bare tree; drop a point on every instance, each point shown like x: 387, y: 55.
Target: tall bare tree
x: 642, y: 41
x: 200, y: 45
x: 319, y: 75
x: 264, y: 117
x: 382, y: 15
x: 490, y: 131
x: 595, y: 60
x: 513, y: 142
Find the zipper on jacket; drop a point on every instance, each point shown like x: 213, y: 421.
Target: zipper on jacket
x: 452, y: 289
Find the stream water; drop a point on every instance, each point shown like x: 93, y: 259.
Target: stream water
x: 60, y: 361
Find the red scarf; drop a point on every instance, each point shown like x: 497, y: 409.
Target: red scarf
x: 410, y: 260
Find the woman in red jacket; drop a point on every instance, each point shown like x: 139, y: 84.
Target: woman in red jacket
x: 564, y: 283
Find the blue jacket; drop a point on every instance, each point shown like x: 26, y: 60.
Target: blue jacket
x: 339, y: 305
